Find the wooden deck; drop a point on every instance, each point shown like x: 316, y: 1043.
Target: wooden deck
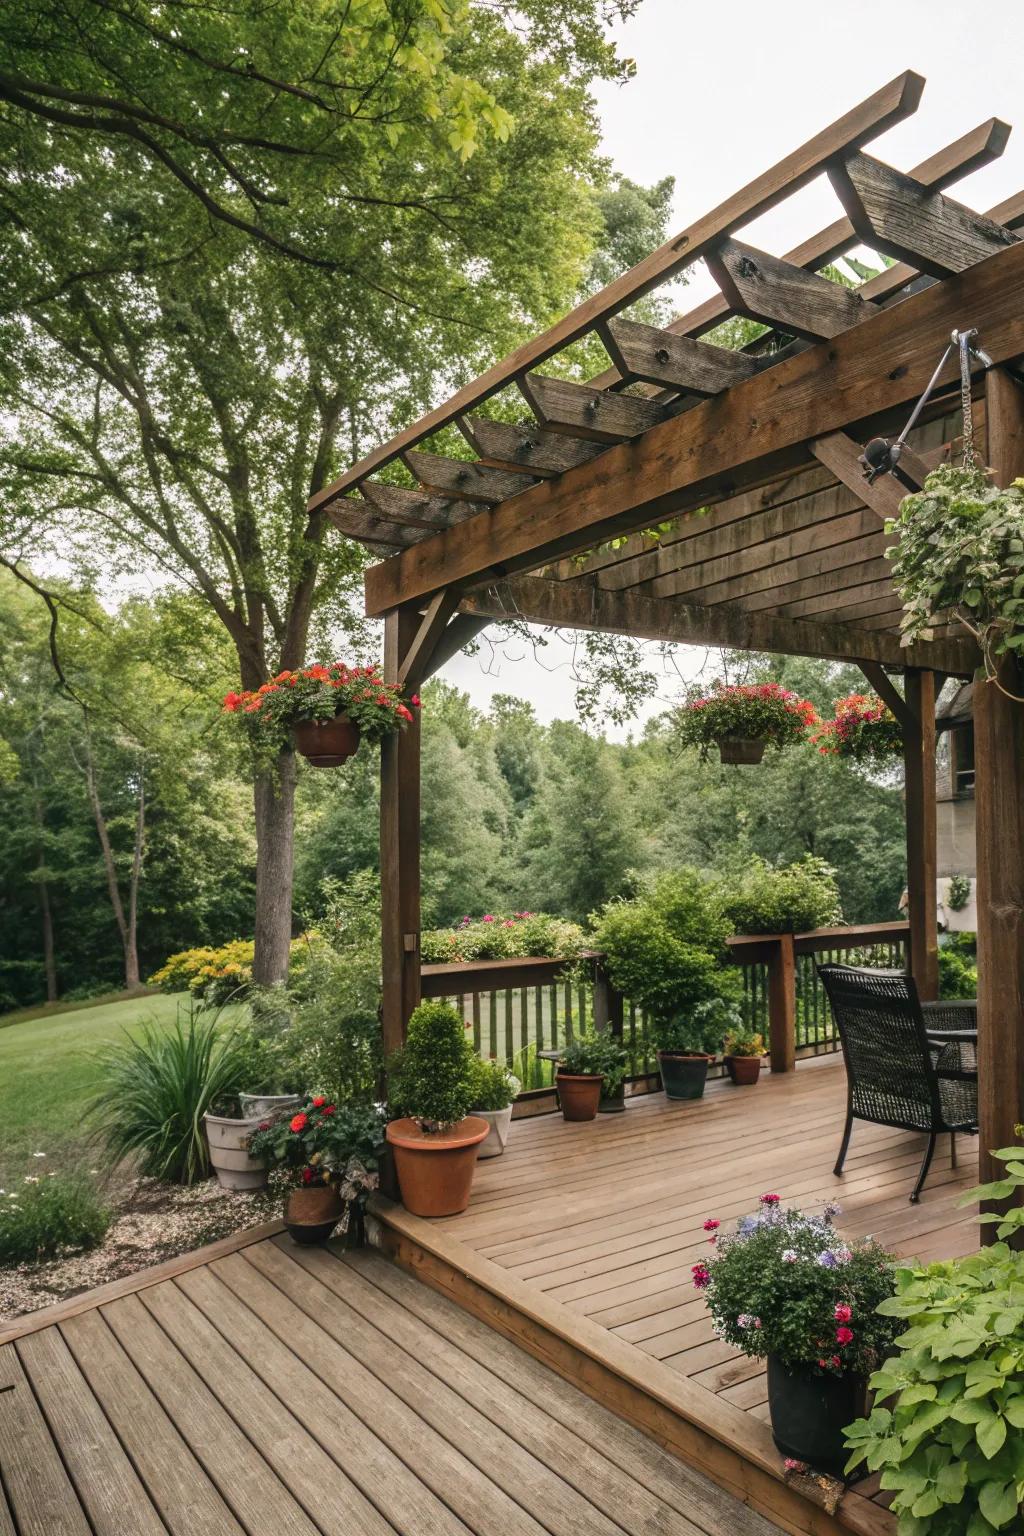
x: 292, y: 1391
x: 589, y: 1233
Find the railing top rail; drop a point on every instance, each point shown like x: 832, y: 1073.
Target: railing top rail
x: 451, y: 978
x: 819, y: 938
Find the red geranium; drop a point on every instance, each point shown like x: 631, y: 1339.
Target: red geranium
x: 755, y: 711
x: 298, y: 1123
x: 319, y: 693
x: 864, y: 728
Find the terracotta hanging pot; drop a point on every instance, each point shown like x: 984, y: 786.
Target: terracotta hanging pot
x: 435, y: 1168
x: 743, y: 1070
x: 326, y: 743
x: 741, y: 749
x: 579, y: 1094
x: 311, y: 1212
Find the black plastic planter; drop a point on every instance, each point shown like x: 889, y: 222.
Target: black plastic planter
x: 809, y: 1413
x: 683, y: 1077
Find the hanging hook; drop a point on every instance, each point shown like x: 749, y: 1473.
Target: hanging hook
x: 882, y: 456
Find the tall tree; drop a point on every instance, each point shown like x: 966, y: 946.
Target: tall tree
x: 235, y: 245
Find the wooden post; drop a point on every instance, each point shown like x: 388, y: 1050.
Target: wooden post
x: 782, y: 1003
x: 399, y: 847
x: 999, y: 806
x: 919, y: 764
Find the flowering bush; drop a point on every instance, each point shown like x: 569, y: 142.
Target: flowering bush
x: 864, y: 729
x: 323, y: 1142
x: 319, y: 693
x: 49, y: 1214
x: 502, y: 936
x: 755, y: 711
x: 214, y: 974
x: 789, y: 1285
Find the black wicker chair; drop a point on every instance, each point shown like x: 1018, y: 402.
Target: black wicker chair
x: 910, y: 1065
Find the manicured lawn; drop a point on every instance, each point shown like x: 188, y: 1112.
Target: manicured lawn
x: 47, y: 1073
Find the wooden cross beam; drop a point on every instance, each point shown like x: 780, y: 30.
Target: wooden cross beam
x: 413, y: 508
x: 463, y: 478
x: 784, y: 296
x: 673, y: 362
x: 523, y: 447
x: 599, y: 415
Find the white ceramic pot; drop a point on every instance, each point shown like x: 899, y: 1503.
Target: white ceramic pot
x: 263, y: 1104
x: 229, y: 1156
x: 499, y: 1121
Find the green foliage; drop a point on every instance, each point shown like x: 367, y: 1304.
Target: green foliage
x: 863, y: 728
x: 961, y: 548
x: 664, y: 948
x: 742, y: 1042
x: 787, y: 1284
x: 494, y: 1085
x: 750, y: 711
x: 502, y: 936
x: 789, y: 899
x: 214, y: 975
x: 156, y: 1089
x: 958, y: 893
x: 321, y: 1140
x: 958, y: 967
x: 947, y: 1428
x: 431, y: 1078
x: 50, y: 1215
x: 595, y: 1053
x: 699, y: 1032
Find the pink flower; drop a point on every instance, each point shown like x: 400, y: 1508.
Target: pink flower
x: 792, y: 1465
x: 711, y: 1225
x: 844, y: 1335
x: 701, y: 1276
x: 488, y: 918
x: 769, y: 1199
x: 843, y: 1313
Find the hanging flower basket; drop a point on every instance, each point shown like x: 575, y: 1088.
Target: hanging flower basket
x: 323, y: 711
x: 864, y: 729
x: 742, y: 720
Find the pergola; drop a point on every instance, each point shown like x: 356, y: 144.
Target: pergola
x: 777, y: 540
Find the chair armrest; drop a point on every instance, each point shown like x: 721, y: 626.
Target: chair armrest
x: 961, y: 1015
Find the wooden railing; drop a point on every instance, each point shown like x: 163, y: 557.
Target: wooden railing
x: 519, y: 1008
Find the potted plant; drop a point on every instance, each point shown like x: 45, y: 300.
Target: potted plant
x: 743, y: 719
x: 786, y: 1287
x: 332, y: 1152
x: 742, y: 1052
x: 435, y: 1141
x: 324, y: 710
x: 590, y: 1065
x: 686, y: 1044
x: 864, y: 729
x: 227, y: 1136
x: 494, y: 1089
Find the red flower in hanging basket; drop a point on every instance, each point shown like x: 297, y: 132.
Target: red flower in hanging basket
x: 864, y: 728
x: 751, y: 712
x: 358, y: 698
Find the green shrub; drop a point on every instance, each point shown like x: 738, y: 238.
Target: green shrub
x: 503, y: 936
x: 494, y: 1086
x: 46, y: 1217
x: 958, y: 967
x: 700, y: 1032
x: 432, y: 1076
x: 791, y: 899
x: 215, y: 975
x: 958, y: 893
x: 657, y: 970
x: 156, y: 1089
x: 592, y: 1053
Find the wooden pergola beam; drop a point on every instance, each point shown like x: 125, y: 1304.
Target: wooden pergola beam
x: 597, y: 415
x: 755, y: 429
x: 783, y: 295
x: 463, y: 478
x: 674, y: 362
x: 895, y: 101
x: 413, y: 508
x: 524, y: 447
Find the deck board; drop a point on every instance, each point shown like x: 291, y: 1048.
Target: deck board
x: 312, y: 1392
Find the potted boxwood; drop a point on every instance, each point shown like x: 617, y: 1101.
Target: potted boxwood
x: 494, y: 1090
x: 687, y: 1044
x: 332, y: 1152
x: 786, y: 1287
x: 434, y: 1139
x: 743, y: 1052
x: 743, y: 719
x: 591, y: 1065
x: 324, y: 710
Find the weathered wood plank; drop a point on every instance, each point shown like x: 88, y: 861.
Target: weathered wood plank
x: 902, y: 218
x: 919, y: 775
x: 353, y: 518
x: 756, y: 427
x: 464, y: 478
x: 675, y: 362
x: 397, y: 504
x: 783, y: 295
x: 839, y: 453
x: 42, y: 1497
x: 597, y: 415
x: 399, y: 847
x: 524, y: 447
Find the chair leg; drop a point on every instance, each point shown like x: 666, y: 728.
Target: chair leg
x: 841, y: 1159
x: 952, y: 1149
x: 926, y: 1164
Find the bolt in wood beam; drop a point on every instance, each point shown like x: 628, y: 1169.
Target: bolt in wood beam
x: 599, y: 415
x: 524, y: 447
x: 674, y: 362
x: 784, y: 296
x: 463, y: 478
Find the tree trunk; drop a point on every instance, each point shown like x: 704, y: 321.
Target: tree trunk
x: 128, y: 940
x: 45, y: 911
x: 131, y: 939
x: 274, y: 799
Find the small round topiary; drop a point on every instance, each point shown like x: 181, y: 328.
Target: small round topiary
x: 432, y: 1077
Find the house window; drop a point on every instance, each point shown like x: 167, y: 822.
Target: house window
x: 963, y: 760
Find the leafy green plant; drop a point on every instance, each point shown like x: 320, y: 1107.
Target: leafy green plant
x: 958, y: 892
x: 787, y: 1284
x: 494, y: 1086
x: 743, y: 1042
x: 958, y: 966
x: 699, y: 1032
x: 49, y: 1215
x: 215, y: 975
x: 961, y: 548
x: 757, y: 711
x: 595, y: 1053
x: 431, y: 1078
x: 500, y: 936
x: 792, y: 898
x: 321, y: 1140
x: 157, y: 1088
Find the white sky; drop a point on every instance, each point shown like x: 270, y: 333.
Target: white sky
x: 723, y: 91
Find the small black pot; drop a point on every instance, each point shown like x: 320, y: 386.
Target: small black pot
x: 683, y: 1077
x: 809, y: 1413
x: 613, y: 1103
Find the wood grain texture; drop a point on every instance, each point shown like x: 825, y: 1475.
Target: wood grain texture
x: 922, y: 868
x: 399, y: 846
x: 397, y: 504
x: 464, y: 478
x: 674, y: 362
x: 523, y: 446
x: 597, y: 415
x: 782, y: 295
x: 41, y: 1496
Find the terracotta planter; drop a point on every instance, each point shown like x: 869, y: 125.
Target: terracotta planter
x: 743, y: 1070
x: 326, y: 743
x: 435, y: 1168
x: 499, y: 1122
x: 741, y: 749
x: 683, y: 1077
x: 312, y: 1212
x: 580, y: 1095
x: 229, y: 1156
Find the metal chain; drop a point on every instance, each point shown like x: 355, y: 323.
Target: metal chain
x: 963, y: 339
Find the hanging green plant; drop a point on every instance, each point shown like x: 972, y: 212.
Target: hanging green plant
x: 960, y: 552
